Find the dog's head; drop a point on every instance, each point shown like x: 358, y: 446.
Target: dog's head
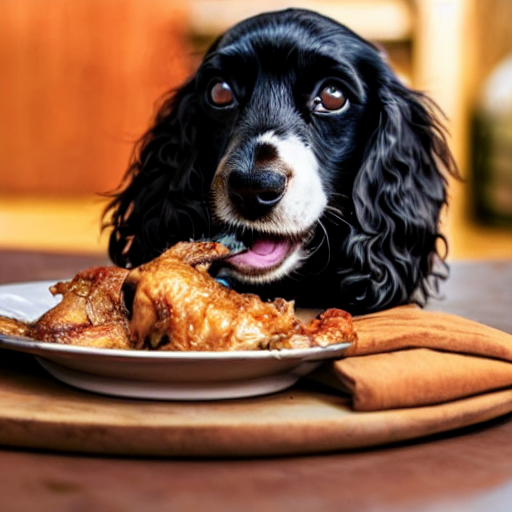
x: 296, y: 138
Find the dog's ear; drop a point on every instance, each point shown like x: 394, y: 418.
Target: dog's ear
x: 398, y: 195
x: 160, y: 200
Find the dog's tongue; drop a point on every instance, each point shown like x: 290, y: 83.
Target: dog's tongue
x: 265, y: 247
x: 262, y: 253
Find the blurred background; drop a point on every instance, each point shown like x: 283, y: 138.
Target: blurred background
x: 79, y: 80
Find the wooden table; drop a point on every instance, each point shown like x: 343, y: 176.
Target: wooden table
x: 470, y: 470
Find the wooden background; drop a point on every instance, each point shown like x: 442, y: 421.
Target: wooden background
x: 79, y: 79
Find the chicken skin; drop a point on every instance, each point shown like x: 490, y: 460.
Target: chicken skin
x: 178, y: 306
x: 13, y: 327
x: 91, y: 313
x: 172, y: 303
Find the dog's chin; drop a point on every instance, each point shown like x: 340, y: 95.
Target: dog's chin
x: 266, y: 259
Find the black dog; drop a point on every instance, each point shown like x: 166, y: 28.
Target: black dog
x: 296, y: 138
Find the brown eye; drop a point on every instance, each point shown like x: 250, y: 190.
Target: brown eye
x: 221, y: 94
x: 331, y: 98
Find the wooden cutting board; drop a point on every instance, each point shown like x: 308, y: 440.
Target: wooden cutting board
x: 37, y: 411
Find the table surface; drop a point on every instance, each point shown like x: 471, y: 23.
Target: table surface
x: 470, y: 470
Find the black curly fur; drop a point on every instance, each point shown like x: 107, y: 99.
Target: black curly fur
x: 378, y: 243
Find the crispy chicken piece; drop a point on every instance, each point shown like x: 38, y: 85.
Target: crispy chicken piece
x: 91, y: 313
x: 178, y: 306
x: 172, y: 303
x: 13, y: 327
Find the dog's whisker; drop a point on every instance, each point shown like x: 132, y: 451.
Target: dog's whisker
x: 339, y: 194
x: 318, y: 246
x: 325, y: 240
x: 335, y: 213
x: 328, y: 244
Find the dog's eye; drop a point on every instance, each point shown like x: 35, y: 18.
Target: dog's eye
x: 329, y: 99
x: 332, y: 98
x: 221, y: 94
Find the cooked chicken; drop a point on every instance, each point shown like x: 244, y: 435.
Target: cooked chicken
x: 178, y: 306
x: 172, y: 303
x: 13, y: 327
x: 91, y: 312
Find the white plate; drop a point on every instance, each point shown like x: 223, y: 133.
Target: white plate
x: 157, y: 375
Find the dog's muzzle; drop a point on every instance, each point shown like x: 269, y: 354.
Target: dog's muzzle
x: 268, y: 193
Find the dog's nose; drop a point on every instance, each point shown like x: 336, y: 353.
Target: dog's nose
x: 255, y: 193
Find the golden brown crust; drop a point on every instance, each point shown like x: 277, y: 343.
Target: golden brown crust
x: 13, y: 327
x: 91, y: 313
x: 332, y: 326
x: 178, y: 306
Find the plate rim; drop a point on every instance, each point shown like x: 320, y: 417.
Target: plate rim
x: 21, y: 344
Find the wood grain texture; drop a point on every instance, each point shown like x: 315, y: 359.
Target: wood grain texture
x: 39, y: 412
x: 79, y: 84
